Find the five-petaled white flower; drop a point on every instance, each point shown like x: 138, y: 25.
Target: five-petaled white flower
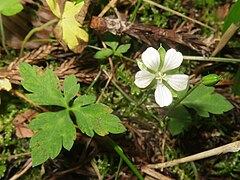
x: 152, y: 67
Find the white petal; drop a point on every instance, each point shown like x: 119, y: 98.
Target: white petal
x: 143, y: 78
x: 151, y: 58
x: 163, y: 95
x: 173, y: 59
x: 177, y: 81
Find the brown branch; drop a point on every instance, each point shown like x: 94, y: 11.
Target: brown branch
x: 231, y: 147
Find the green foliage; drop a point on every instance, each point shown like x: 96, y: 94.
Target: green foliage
x: 115, y: 50
x: 233, y: 16
x: 179, y: 120
x: 152, y: 15
x: 228, y: 168
x: 10, y: 7
x: 35, y: 81
x: 204, y: 101
x: 56, y: 129
x: 103, y: 53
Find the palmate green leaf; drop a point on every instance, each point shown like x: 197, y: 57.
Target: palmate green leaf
x: 95, y: 117
x: 123, y: 48
x: 55, y: 129
x: 44, y: 86
x: 10, y: 7
x: 103, y: 53
x: 112, y: 44
x: 179, y: 120
x: 204, y: 101
x: 71, y: 88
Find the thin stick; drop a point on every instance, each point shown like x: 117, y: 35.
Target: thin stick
x: 95, y: 167
x: 21, y: 172
x: 217, y: 59
x: 28, y: 100
x: 225, y: 38
x: 154, y: 174
x: 107, y: 7
x: 231, y: 147
x: 178, y: 14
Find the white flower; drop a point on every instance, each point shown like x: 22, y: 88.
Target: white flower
x: 153, y: 69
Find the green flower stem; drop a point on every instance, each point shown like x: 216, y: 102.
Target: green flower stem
x: 94, y: 81
x: 119, y: 168
x: 125, y: 57
x: 120, y: 152
x: 95, y: 47
x: 3, y: 36
x: 122, y: 92
x: 216, y: 59
x: 180, y: 100
x: 131, y: 100
x: 34, y: 30
x: 134, y: 14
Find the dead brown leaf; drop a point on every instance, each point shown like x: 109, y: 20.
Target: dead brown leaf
x: 21, y: 123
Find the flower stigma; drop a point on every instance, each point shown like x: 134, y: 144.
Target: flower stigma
x: 160, y: 76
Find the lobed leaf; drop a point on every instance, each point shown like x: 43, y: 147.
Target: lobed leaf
x: 71, y: 31
x: 204, y: 101
x: 55, y: 129
x: 179, y: 120
x: 44, y: 86
x: 71, y: 88
x: 103, y: 53
x: 123, y: 48
x: 10, y: 7
x: 96, y: 118
x: 54, y: 6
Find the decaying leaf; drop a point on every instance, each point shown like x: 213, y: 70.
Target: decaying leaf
x: 5, y: 84
x: 20, y: 123
x: 153, y: 35
x: 68, y: 30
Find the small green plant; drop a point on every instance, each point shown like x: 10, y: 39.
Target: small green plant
x: 56, y: 129
x: 8, y: 8
x: 115, y: 50
x: 203, y: 101
x: 158, y: 70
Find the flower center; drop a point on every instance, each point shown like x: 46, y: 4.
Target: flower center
x: 160, y: 76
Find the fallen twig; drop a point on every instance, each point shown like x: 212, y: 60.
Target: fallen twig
x: 231, y: 147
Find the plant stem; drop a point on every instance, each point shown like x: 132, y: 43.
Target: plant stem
x: 34, y: 30
x: 120, y: 152
x: 3, y: 36
x: 94, y: 81
x: 216, y: 59
x: 119, y: 168
x: 134, y: 14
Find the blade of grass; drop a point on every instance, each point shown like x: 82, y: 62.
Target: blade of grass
x: 120, y: 152
x: 178, y: 14
x: 3, y: 36
x: 134, y: 14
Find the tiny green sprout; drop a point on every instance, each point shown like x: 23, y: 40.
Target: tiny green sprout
x: 211, y: 79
